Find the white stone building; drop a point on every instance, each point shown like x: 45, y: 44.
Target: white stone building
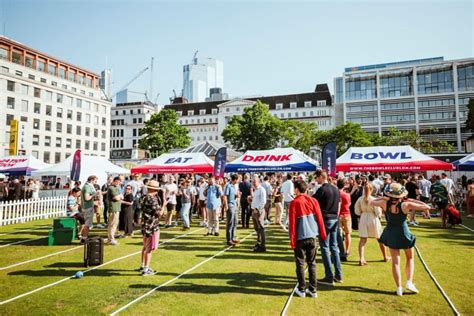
x: 59, y: 105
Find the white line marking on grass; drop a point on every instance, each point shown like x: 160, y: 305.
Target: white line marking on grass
x: 24, y: 230
x: 22, y: 241
x: 88, y: 270
x: 288, y: 301
x: 175, y: 278
x: 40, y: 258
x: 468, y: 228
x: 456, y: 312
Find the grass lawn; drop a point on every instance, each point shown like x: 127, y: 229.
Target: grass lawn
x: 236, y: 282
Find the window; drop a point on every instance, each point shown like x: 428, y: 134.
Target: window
x: 59, y: 98
x: 64, y: 86
x: 134, y: 132
x: 435, y: 81
x: 87, y: 105
x: 52, y: 69
x: 71, y: 75
x: 37, y: 108
x: 361, y: 88
x: 32, y: 77
x: 18, y: 73
x: 10, y: 103
x: 104, y: 121
x: 41, y: 64
x: 95, y: 146
x: 466, y: 77
x: 88, y: 131
x: 79, y: 103
x: 134, y: 121
x: 69, y: 128
x: 43, y: 80
x: 190, y: 113
x: 396, y: 85
x: 86, y: 144
x: 104, y: 134
x: 46, y: 156
x: 24, y: 105
x: 58, y: 141
x: 36, y: 140
x: 103, y: 109
x: 24, y: 89
x: 36, y: 123
x: 10, y: 85
x: 289, y: 115
x: 62, y: 72
x: 57, y: 157
x: 37, y: 93
x: 47, y: 126
x: 29, y: 61
x: 49, y: 110
x: 80, y: 78
x: 91, y: 94
x: 68, y: 143
x: 59, y: 113
x: 78, y: 130
x: 140, y: 120
x: 321, y: 102
x: 79, y: 116
x: 9, y: 119
x: 96, y: 120
x: 96, y: 132
x: 17, y: 57
x: 48, y: 95
x: 3, y: 53
x: 4, y: 69
x: 88, y: 118
x: 59, y: 127
x: 47, y: 141
x: 307, y: 104
x: 54, y: 83
x: 227, y: 109
x: 69, y: 114
x: 78, y: 144
x: 202, y: 112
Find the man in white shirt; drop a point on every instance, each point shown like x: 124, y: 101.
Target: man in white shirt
x: 202, y: 202
x: 425, y: 186
x: 259, y: 199
x: 171, y: 189
x: 288, y: 192
x: 449, y: 184
x: 269, y: 190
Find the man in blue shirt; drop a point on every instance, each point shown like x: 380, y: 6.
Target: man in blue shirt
x: 230, y: 194
x: 213, y: 205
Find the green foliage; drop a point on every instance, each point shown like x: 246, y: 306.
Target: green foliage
x: 299, y: 135
x: 255, y: 129
x: 470, y: 115
x: 424, y: 144
x: 162, y: 133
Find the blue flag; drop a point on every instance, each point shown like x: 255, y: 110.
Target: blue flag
x: 76, y: 166
x: 219, y: 162
x: 329, y: 158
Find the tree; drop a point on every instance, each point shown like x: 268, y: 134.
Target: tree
x: 470, y: 115
x: 299, y: 135
x: 346, y: 136
x: 424, y: 144
x: 162, y: 133
x: 255, y: 129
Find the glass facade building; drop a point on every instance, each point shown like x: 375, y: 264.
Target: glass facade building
x: 427, y: 95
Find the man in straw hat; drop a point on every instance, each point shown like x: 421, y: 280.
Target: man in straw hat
x: 151, y: 212
x: 396, y: 234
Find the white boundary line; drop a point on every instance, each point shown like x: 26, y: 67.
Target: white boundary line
x: 288, y: 301
x: 24, y: 230
x: 88, y: 270
x: 175, y: 278
x: 22, y: 241
x: 456, y: 312
x: 36, y: 259
x: 468, y: 228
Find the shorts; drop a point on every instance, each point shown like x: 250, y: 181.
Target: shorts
x: 345, y: 223
x: 88, y: 214
x: 150, y: 243
x: 202, y: 203
x: 170, y: 207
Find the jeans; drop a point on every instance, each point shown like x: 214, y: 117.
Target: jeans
x: 232, y: 221
x: 185, y: 207
x: 246, y: 212
x: 286, y: 206
x: 258, y: 218
x: 340, y: 243
x: 330, y: 251
x: 306, y: 251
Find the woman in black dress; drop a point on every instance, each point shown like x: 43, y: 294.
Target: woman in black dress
x: 127, y: 211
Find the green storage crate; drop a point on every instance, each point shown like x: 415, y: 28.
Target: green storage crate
x: 63, y: 236
x: 64, y: 222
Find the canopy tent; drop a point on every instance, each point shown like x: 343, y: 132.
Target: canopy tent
x: 388, y: 158
x: 177, y: 163
x: 465, y: 164
x: 273, y: 160
x: 90, y: 165
x: 210, y: 148
x: 21, y: 165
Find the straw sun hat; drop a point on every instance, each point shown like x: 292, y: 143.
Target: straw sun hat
x: 153, y: 185
x: 395, y: 190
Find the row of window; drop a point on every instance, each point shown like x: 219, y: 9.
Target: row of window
x: 120, y: 132
x: 432, y: 103
x: 68, y: 143
x: 434, y: 116
x: 60, y: 98
x: 48, y: 111
x: 398, y: 106
x: 131, y: 111
x: 44, y: 80
x: 404, y: 105
x: 44, y: 65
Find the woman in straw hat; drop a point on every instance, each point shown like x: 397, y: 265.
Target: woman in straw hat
x: 396, y: 234
x: 151, y: 211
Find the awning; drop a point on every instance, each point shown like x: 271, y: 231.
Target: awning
x: 465, y: 164
x: 21, y: 165
x: 177, y: 163
x: 274, y: 160
x: 388, y: 158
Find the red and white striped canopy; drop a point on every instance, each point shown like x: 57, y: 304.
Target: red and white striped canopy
x: 177, y: 163
x: 388, y: 158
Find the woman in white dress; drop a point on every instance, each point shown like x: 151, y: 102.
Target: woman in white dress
x: 369, y: 223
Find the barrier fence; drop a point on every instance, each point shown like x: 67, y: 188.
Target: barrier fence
x: 13, y: 212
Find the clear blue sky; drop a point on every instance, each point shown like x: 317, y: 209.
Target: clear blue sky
x: 268, y: 48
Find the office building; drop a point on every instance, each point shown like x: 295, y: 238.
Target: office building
x: 199, y: 77
x: 429, y: 96
x: 59, y: 105
x: 207, y: 120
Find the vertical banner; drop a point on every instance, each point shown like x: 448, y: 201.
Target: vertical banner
x: 219, y: 162
x: 13, y: 148
x: 76, y: 166
x: 329, y: 158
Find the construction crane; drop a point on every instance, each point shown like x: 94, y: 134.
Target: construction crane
x: 131, y: 81
x: 194, y: 61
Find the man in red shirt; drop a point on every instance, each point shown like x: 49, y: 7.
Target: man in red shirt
x: 305, y: 224
x: 345, y: 222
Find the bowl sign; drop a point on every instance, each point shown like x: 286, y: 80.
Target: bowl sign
x: 382, y: 155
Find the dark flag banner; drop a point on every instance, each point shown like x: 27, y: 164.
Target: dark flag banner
x: 329, y: 159
x: 219, y: 162
x: 76, y: 166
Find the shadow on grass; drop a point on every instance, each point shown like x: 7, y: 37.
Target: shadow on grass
x: 80, y: 267
x: 358, y: 289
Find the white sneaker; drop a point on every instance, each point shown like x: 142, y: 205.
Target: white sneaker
x: 411, y: 287
x: 266, y: 222
x: 399, y: 291
x: 300, y: 293
x: 311, y: 294
x: 113, y: 243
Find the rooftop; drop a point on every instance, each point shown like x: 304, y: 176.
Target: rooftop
x: 396, y: 64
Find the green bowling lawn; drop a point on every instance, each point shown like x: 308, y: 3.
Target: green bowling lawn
x: 236, y: 281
